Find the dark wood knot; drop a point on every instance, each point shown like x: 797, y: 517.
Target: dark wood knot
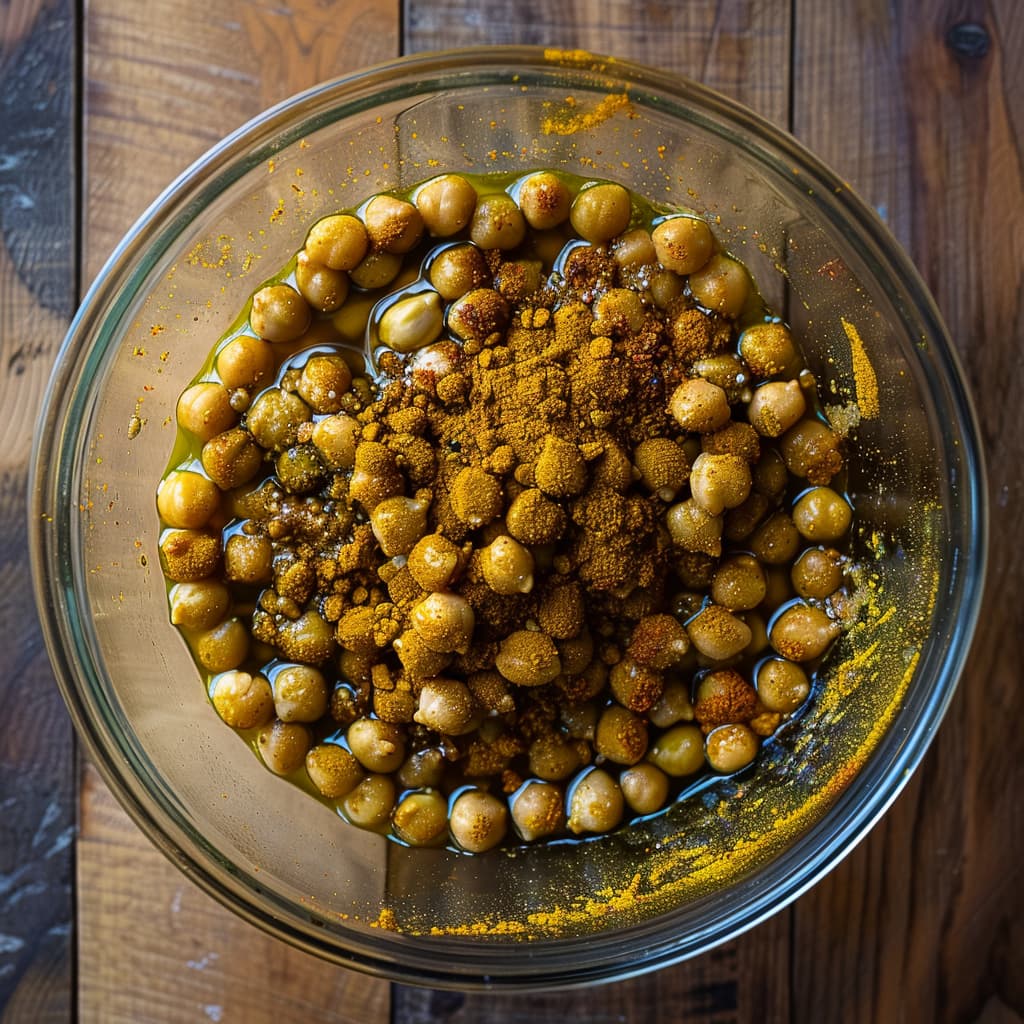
x: 969, y: 40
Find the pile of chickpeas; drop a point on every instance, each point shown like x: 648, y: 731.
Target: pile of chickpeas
x: 276, y: 449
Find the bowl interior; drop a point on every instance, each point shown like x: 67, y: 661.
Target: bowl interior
x: 718, y: 861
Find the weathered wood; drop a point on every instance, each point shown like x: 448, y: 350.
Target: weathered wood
x: 163, y: 82
x: 920, y: 107
x: 37, y: 295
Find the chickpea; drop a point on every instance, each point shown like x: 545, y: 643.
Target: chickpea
x: 718, y: 482
x: 418, y: 660
x: 189, y: 555
x: 497, y: 222
x: 323, y: 383
x: 776, y: 541
x: 553, y: 758
x: 775, y: 407
x: 333, y: 770
x: 634, y: 249
x: 528, y: 658
x: 479, y: 821
x: 205, y: 410
x: 478, y: 314
x: 782, y: 685
x: 248, y: 558
x: 699, y: 406
x: 758, y: 634
x: 579, y: 720
x: 242, y: 700
x: 817, y: 573
x: 576, y: 653
x: 731, y: 747
x: 444, y: 622
x: 322, y: 287
x: 821, y: 515
x: 378, y: 746
x: 300, y: 693
x: 645, y: 787
x: 476, y: 497
x: 601, y: 212
x: 561, y: 471
x: 376, y: 270
x: 335, y: 438
x: 673, y: 706
x: 768, y: 349
x: 446, y: 705
x: 275, y: 417
x: 446, y: 204
x: 299, y: 469
x: 507, y: 566
x: 200, y: 604
x: 621, y: 735
x: 338, y: 242
x: 532, y: 518
x: 422, y: 769
x: 544, y: 199
x: 739, y: 583
x: 663, y: 466
x: 635, y: 686
x: 283, y: 746
x: 398, y: 523
x: 371, y: 802
x: 246, y: 362
x: 307, y: 639
x: 421, y: 819
x: 658, y: 642
x: 595, y: 803
x: 679, y: 751
x: 613, y: 471
x: 771, y: 478
x: 803, y: 632
x: 376, y: 475
x: 434, y: 562
x: 279, y: 313
x: 459, y: 270
x: 811, y: 450
x: 187, y: 500
x: 721, y: 285
x: 778, y: 586
x: 232, y: 459
x: 665, y: 287
x: 725, y: 370
x: 412, y: 323
x: 537, y: 810
x: 393, y: 225
x: 693, y: 528
x: 683, y: 244
x: 718, y: 634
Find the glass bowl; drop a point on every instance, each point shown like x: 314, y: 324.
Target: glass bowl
x: 562, y: 914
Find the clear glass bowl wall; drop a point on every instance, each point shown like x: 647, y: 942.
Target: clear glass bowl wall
x: 714, y: 865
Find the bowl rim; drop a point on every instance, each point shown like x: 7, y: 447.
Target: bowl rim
x: 50, y: 490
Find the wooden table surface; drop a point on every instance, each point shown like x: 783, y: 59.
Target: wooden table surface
x: 919, y: 105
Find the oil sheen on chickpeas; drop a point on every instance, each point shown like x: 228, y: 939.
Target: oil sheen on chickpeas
x: 506, y: 513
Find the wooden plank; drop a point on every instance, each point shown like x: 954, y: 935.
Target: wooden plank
x: 37, y: 295
x: 923, y: 921
x: 163, y: 82
x: 740, y: 48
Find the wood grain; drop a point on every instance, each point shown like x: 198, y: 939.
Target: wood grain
x: 37, y: 294
x: 163, y: 82
x: 923, y: 922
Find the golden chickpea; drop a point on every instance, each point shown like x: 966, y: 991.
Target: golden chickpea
x: 497, y: 223
x: 683, y: 244
x: 339, y: 241
x: 533, y: 518
x: 739, y: 583
x: 378, y: 746
x: 189, y: 555
x: 693, y: 528
x: 621, y: 735
x: 771, y: 478
x: 721, y: 285
x: 283, y: 746
x: 242, y: 700
x: 560, y: 471
x: 249, y: 558
x: 775, y: 407
x: 333, y: 770
x: 544, y: 199
x: 375, y: 476
x: 731, y: 747
x: 376, y: 270
x: 601, y: 212
x: 658, y: 641
x: 335, y: 438
x: 817, y: 573
x: 434, y: 562
x: 223, y: 647
x: 537, y: 810
x: 678, y: 751
x: 673, y: 706
x: 718, y: 482
x: 725, y: 370
x: 458, y: 271
x: 645, y: 787
x: 576, y: 653
x: 476, y: 496
x: 634, y: 249
x: 422, y: 769
x: 444, y: 622
x: 821, y: 515
x: 398, y: 523
x: 579, y: 720
x: 232, y: 459
x: 323, y: 383
x: 199, y: 605
x: 421, y: 819
x: 279, y: 313
x: 810, y: 449
x: 205, y: 410
x: 246, y: 362
x: 479, y: 821
x: 418, y: 660
x: 507, y: 566
x: 412, y: 323
x: 187, y: 500
x: 446, y: 204
x: 718, y: 634
x: 447, y: 706
x: 635, y: 686
x: 393, y: 225
x: 699, y: 406
x: 369, y: 805
x: 776, y: 541
x: 307, y: 639
x: 768, y: 349
x: 322, y: 287
x: 665, y: 286
x: 275, y: 417
x: 782, y: 685
x: 478, y: 314
x: 758, y: 634
x: 595, y: 803
x: 803, y: 632
x: 663, y: 466
x: 528, y: 658
x: 553, y: 758
x: 300, y: 693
